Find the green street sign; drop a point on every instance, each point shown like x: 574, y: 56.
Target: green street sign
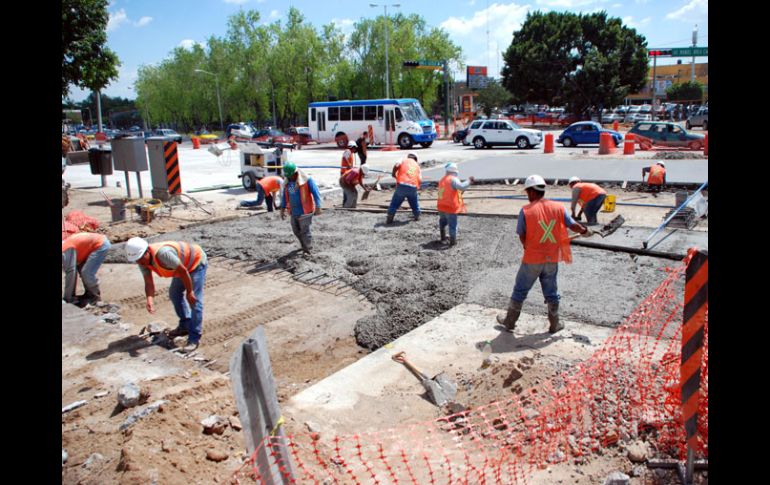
x: 431, y: 63
x: 689, y: 51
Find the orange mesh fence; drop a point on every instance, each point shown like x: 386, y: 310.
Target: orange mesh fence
x: 629, y: 388
x: 75, y: 222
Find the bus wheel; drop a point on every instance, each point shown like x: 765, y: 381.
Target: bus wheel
x: 426, y: 144
x: 342, y: 140
x: 405, y: 141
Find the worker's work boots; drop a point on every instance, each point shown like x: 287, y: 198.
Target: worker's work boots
x: 389, y: 220
x: 443, y: 234
x: 452, y: 241
x: 509, y: 319
x: 553, y: 318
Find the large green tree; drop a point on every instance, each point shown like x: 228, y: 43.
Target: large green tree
x: 687, y: 91
x: 493, y: 96
x: 581, y: 61
x: 86, y: 60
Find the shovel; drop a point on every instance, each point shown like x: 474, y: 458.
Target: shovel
x: 608, y: 228
x: 366, y: 193
x: 441, y: 390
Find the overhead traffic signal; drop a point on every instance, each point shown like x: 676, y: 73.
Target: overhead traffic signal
x: 659, y: 53
x: 411, y: 63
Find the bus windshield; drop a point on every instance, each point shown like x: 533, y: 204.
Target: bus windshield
x: 413, y: 111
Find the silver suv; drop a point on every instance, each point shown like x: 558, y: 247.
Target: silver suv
x: 701, y: 118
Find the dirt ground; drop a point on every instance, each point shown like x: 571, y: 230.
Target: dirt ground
x: 364, y: 285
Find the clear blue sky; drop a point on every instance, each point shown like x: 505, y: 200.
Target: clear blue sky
x: 143, y: 32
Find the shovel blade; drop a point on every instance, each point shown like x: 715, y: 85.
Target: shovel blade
x: 366, y: 195
x: 441, y: 389
x: 612, y: 226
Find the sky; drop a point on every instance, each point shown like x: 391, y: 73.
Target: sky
x: 144, y: 32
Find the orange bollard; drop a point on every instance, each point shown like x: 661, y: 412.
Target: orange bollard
x: 196, y: 142
x: 629, y: 144
x: 615, y: 125
x: 606, y: 144
x: 548, y: 146
x: 706, y: 145
x: 438, y: 131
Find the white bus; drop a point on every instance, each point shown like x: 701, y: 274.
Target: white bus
x: 401, y: 120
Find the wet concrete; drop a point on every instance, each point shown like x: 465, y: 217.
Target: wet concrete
x: 411, y: 278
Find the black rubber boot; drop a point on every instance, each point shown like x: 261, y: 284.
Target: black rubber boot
x: 443, y: 234
x: 389, y: 220
x: 452, y: 240
x: 417, y: 217
x: 509, y: 319
x: 553, y: 318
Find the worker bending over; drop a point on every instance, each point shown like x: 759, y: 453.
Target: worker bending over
x: 267, y: 188
x: 589, y: 196
x: 408, y: 177
x: 657, y: 178
x: 83, y: 253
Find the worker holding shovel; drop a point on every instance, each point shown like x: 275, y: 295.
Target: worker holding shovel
x: 542, y: 229
x: 302, y: 198
x: 350, y: 181
x: 589, y: 196
x: 450, y: 201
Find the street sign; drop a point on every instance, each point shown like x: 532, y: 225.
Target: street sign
x: 431, y: 63
x: 690, y: 51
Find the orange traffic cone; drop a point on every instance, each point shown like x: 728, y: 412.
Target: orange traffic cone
x: 548, y: 146
x: 615, y: 125
x: 606, y: 144
x: 196, y: 142
x: 629, y: 144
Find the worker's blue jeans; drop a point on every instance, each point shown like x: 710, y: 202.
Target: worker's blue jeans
x: 190, y: 320
x: 91, y: 266
x: 444, y: 219
x: 529, y: 273
x: 261, y: 197
x: 404, y: 192
x: 592, y: 208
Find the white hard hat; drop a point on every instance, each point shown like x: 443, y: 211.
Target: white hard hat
x: 352, y: 144
x: 661, y: 164
x: 451, y: 167
x: 535, y: 182
x: 135, y: 248
x: 573, y: 179
x: 364, y: 169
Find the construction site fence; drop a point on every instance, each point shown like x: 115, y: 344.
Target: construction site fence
x: 629, y: 389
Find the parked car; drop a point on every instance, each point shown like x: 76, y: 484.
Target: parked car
x: 612, y: 116
x: 300, y: 135
x: 503, y: 132
x: 272, y: 136
x: 473, y: 126
x: 241, y: 130
x: 700, y: 118
x: 586, y: 132
x: 168, y: 134
x: 666, y: 133
x: 459, y: 135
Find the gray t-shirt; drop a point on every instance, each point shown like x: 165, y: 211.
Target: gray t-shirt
x: 167, y: 258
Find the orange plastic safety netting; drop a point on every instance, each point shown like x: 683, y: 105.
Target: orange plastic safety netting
x: 76, y: 222
x: 628, y: 389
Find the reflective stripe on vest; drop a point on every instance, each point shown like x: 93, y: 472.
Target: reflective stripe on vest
x: 84, y: 243
x: 450, y: 200
x: 270, y: 184
x: 308, y: 204
x: 546, y: 238
x: 588, y: 192
x: 656, y: 175
x: 189, y: 254
x: 408, y: 173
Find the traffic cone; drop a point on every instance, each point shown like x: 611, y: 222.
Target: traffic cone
x: 615, y: 125
x: 706, y: 145
x: 606, y: 144
x: 548, y: 146
x: 629, y: 144
x: 196, y: 142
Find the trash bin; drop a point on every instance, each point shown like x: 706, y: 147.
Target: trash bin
x: 100, y: 160
x: 118, y: 209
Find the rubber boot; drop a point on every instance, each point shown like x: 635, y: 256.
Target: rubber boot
x: 452, y: 240
x: 443, y: 234
x: 553, y: 318
x: 389, y: 220
x: 509, y: 319
x: 417, y: 217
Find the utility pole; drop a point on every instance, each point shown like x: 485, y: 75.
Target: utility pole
x: 387, y: 28
x: 694, y: 44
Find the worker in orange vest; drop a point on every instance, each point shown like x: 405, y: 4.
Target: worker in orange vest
x: 450, y: 201
x: 542, y: 229
x: 267, y: 188
x: 302, y: 198
x: 348, y: 157
x: 349, y: 183
x: 408, y: 177
x: 589, y: 196
x: 83, y: 253
x: 184, y: 262
x: 657, y: 177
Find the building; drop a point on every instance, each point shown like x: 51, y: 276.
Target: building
x: 668, y: 76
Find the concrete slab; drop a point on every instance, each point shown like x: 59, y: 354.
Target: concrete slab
x: 376, y: 393
x: 667, y: 240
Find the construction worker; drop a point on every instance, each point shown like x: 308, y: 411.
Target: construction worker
x: 408, y: 177
x: 589, y: 196
x: 450, y: 201
x: 83, y: 253
x: 349, y: 181
x: 542, y: 229
x: 184, y: 262
x: 349, y: 157
x: 302, y: 198
x: 361, y: 144
x: 657, y: 178
x: 267, y: 188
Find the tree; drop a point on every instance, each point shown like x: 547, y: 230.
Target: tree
x: 687, y: 91
x: 86, y: 61
x: 493, y: 96
x: 581, y: 61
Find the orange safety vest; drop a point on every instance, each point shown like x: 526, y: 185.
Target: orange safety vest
x: 546, y: 239
x: 347, y: 163
x: 84, y: 243
x: 450, y: 200
x: 656, y: 175
x: 588, y: 192
x: 270, y: 184
x: 408, y: 173
x: 189, y: 254
x: 308, y: 204
x: 353, y: 177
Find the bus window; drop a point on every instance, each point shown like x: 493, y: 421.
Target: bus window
x: 399, y: 116
x: 312, y: 114
x: 345, y: 113
x: 358, y: 113
x: 334, y: 114
x: 370, y: 112
x: 380, y: 115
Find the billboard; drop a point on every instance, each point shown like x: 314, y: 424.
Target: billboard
x: 477, y: 77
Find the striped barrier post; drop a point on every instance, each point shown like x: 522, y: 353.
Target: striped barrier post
x: 173, y: 177
x: 629, y: 144
x: 371, y: 135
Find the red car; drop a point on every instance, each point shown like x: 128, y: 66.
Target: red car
x: 300, y: 135
x: 272, y: 136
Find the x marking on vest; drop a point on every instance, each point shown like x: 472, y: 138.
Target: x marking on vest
x: 548, y: 234
x: 441, y: 193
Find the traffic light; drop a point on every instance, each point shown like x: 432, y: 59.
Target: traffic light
x: 411, y: 63
x: 659, y: 53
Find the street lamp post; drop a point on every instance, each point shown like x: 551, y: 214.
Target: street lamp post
x: 219, y: 101
x: 387, y: 27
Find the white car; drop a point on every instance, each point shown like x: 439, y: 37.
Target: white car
x: 241, y: 130
x: 474, y: 125
x: 502, y: 132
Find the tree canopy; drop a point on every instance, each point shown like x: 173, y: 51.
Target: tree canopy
x: 577, y: 60
x: 687, y: 91
x: 493, y: 96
